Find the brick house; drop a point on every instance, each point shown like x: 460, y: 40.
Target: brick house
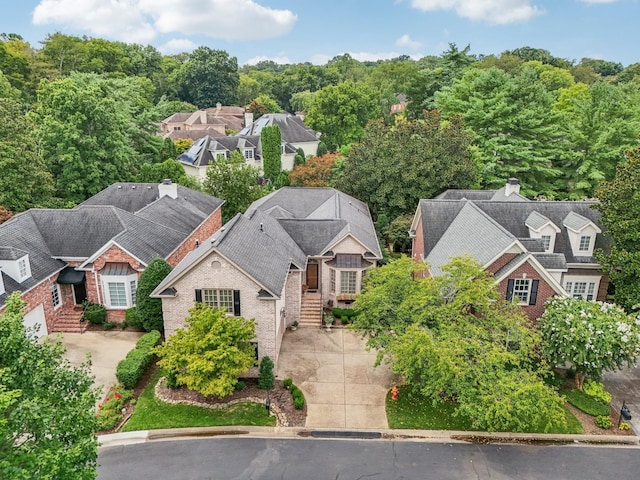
x: 214, y: 121
x: 292, y: 252
x: 208, y: 149
x: 535, y: 249
x: 96, y: 251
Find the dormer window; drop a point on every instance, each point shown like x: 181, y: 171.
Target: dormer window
x: 22, y: 267
x: 546, y: 241
x: 585, y: 243
x: 248, y: 153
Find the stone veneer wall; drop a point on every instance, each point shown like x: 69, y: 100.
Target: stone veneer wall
x: 223, y: 275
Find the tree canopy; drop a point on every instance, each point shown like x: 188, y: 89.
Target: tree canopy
x: 394, y: 166
x: 47, y: 406
x: 210, y: 352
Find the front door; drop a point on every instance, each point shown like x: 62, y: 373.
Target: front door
x: 80, y: 293
x: 312, y: 276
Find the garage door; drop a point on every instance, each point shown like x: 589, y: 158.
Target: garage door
x: 35, y: 318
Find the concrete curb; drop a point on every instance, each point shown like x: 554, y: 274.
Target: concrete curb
x: 129, y: 438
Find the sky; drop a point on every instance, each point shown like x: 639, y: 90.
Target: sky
x: 294, y: 31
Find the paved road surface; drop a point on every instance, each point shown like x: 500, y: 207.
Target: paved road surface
x: 314, y: 459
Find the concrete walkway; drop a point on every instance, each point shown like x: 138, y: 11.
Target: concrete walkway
x: 624, y: 386
x: 336, y: 375
x: 106, y: 350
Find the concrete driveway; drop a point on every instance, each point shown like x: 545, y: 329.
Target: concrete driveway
x: 106, y: 350
x: 624, y: 386
x: 336, y: 375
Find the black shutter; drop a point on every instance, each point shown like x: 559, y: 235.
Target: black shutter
x: 199, y: 296
x: 510, y: 289
x: 533, y: 298
x: 236, y: 303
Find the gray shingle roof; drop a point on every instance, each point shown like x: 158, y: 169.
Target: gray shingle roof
x: 156, y: 230
x: 552, y: 261
x: 292, y: 129
x: 575, y: 221
x: 338, y: 214
x: 11, y: 253
x: 536, y: 220
x: 204, y: 151
x: 471, y: 232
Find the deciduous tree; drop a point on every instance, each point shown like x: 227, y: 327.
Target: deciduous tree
x: 591, y: 336
x: 393, y: 167
x: 47, y: 406
x: 210, y: 352
x: 315, y: 172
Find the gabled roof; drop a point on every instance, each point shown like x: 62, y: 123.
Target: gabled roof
x: 317, y: 218
x: 256, y: 244
x: 204, y: 151
x: 536, y: 221
x: 576, y: 222
x: 489, y: 239
x: 145, y: 227
x: 292, y: 129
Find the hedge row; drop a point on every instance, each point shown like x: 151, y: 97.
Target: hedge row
x: 296, y: 393
x: 133, y: 366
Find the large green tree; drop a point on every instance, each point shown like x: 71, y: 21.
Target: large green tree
x: 232, y: 180
x: 149, y: 310
x: 512, y: 123
x: 94, y: 131
x: 453, y: 340
x: 47, y: 407
x: 620, y: 208
x: 393, y: 167
x: 591, y: 336
x: 210, y: 352
x: 25, y: 181
x: 341, y: 112
x: 208, y: 77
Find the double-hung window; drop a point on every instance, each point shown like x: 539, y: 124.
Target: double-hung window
x: 218, y: 298
x: 56, y: 300
x: 521, y: 290
x: 585, y: 243
x: 546, y: 241
x: 120, y: 285
x: 332, y: 280
x: 348, y: 281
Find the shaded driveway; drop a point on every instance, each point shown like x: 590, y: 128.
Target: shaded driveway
x: 336, y: 375
x: 624, y: 386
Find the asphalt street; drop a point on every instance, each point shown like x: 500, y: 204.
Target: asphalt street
x: 245, y: 458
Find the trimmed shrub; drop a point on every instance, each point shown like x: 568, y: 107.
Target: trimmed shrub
x: 110, y: 325
x: 586, y: 404
x: 95, y: 313
x: 131, y: 318
x: 287, y: 383
x: 298, y: 399
x: 603, y: 421
x: 129, y: 370
x: 596, y: 390
x: 240, y: 385
x: 266, y: 379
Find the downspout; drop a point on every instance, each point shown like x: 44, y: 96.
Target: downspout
x: 95, y: 278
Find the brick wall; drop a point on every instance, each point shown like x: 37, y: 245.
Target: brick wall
x: 207, y: 228
x: 544, y: 289
x: 209, y: 274
x: 417, y: 250
x: 501, y: 262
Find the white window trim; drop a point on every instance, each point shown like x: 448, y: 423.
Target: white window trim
x: 126, y: 279
x: 588, y: 248
x: 248, y: 154
x: 569, y: 282
x: 355, y: 283
x: 528, y: 283
x: 229, y: 308
x: 59, y: 294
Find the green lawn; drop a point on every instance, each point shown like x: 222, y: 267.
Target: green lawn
x: 585, y: 403
x: 414, y: 412
x: 151, y: 413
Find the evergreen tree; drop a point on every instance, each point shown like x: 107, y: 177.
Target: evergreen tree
x: 149, y: 310
x: 271, y: 140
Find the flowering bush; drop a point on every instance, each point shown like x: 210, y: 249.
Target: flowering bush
x: 110, y: 410
x: 591, y: 336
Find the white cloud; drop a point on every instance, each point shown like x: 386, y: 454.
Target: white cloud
x: 598, y: 1
x: 177, y: 45
x: 142, y: 20
x: 491, y: 11
x: 405, y: 41
x: 280, y: 59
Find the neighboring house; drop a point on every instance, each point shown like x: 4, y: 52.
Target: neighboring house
x: 535, y: 249
x: 95, y: 252
x: 208, y: 149
x: 211, y: 121
x: 292, y: 252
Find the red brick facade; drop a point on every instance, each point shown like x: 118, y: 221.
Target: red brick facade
x: 417, y: 249
x: 207, y: 228
x: 544, y: 289
x: 501, y: 262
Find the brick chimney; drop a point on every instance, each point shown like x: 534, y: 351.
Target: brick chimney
x: 168, y: 188
x: 512, y: 186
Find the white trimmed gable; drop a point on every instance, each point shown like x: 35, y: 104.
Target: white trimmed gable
x: 582, y: 234
x: 541, y: 227
x: 17, y: 267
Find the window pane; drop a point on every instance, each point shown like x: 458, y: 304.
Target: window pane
x: 55, y: 295
x: 225, y: 298
x: 22, y: 265
x: 333, y: 280
x: 348, y: 282
x: 546, y: 241
x: 210, y: 297
x: 521, y: 289
x: 117, y: 294
x: 134, y: 290
x: 585, y: 242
